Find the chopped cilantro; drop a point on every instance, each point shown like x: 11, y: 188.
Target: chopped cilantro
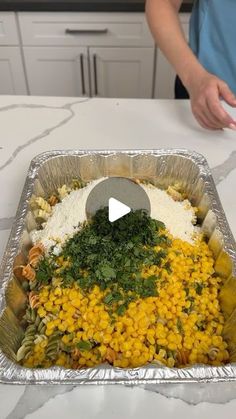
x: 112, y: 256
x: 112, y: 298
x: 121, y: 310
x: 191, y: 299
x: 201, y: 326
x: 199, y: 287
x: 179, y: 326
x: 45, y: 271
x: 168, y: 267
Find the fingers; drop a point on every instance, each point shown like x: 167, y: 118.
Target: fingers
x: 216, y: 114
x: 227, y: 95
x: 206, y: 124
x: 204, y: 121
x: 204, y: 116
x: 216, y: 110
x: 210, y: 113
x: 205, y: 94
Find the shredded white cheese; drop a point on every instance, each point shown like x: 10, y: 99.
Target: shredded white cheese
x: 65, y: 219
x: 67, y: 216
x: 178, y: 216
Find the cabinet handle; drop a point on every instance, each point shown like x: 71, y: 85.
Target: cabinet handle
x: 69, y: 31
x: 82, y: 73
x: 95, y: 75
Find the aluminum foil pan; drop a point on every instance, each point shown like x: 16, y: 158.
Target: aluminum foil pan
x: 163, y: 167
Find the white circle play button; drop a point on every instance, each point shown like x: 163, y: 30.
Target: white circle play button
x: 117, y: 209
x: 120, y: 195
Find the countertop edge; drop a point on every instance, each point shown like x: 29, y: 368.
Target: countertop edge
x: 79, y: 7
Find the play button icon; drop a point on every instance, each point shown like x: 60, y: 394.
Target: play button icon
x: 117, y: 209
x: 121, y: 195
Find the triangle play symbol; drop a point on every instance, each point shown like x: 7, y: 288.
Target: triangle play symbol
x: 117, y: 209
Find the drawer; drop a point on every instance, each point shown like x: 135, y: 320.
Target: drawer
x: 90, y: 29
x: 8, y: 29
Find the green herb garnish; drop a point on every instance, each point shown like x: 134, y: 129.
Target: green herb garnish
x: 199, y: 287
x: 112, y: 256
x: 45, y: 271
x: 179, y: 326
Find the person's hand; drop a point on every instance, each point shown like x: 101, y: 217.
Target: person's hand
x: 205, y: 93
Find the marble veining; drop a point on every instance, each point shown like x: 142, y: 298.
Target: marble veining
x: 195, y: 393
x: 221, y: 171
x: 68, y: 107
x: 115, y: 402
x: 34, y: 397
x: 104, y: 124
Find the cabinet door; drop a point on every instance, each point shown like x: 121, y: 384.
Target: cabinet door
x: 53, y: 71
x: 122, y: 72
x: 165, y: 74
x: 8, y: 29
x: 12, y: 78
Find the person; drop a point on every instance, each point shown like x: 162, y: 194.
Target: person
x: 207, y: 66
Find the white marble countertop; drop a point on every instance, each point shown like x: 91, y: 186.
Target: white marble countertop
x: 31, y: 125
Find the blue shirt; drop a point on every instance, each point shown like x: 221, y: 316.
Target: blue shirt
x: 213, y: 37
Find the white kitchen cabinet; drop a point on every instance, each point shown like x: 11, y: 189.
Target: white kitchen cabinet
x: 121, y: 72
x: 165, y: 75
x: 113, y: 72
x: 8, y: 29
x: 12, y: 78
x: 117, y: 53
x: 79, y: 28
x: 53, y: 71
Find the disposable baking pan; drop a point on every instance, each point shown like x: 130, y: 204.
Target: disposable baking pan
x: 162, y: 167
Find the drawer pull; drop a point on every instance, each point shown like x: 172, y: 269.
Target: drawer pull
x: 95, y: 75
x: 85, y: 31
x: 82, y: 73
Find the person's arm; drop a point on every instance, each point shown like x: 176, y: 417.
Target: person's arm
x: 204, y: 88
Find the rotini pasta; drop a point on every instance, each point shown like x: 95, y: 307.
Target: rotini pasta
x: 63, y: 191
x: 43, y: 204
x: 78, y: 184
x: 35, y: 254
x: 30, y: 315
x: 41, y: 215
x: 41, y: 338
x: 183, y: 356
x: 110, y: 355
x: 75, y: 354
x: 28, y: 272
x: 41, y: 327
x: 32, y: 285
x: 27, y: 343
x: 150, y: 299
x: 53, y: 346
x: 53, y: 200
x: 33, y: 300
